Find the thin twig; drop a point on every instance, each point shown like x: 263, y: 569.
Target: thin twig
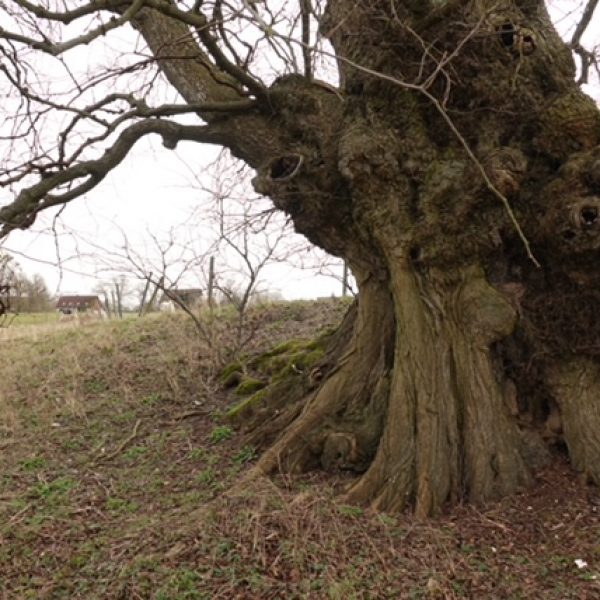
x: 16, y: 516
x: 122, y: 445
x: 189, y: 414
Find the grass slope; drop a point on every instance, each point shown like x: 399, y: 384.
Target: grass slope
x: 115, y: 463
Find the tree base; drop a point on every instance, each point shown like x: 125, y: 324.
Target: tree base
x: 414, y: 401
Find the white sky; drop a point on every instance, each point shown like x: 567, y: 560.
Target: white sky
x: 151, y: 191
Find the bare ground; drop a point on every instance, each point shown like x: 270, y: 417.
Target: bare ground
x: 116, y: 471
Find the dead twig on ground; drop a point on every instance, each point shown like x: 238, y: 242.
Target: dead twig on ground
x: 122, y: 445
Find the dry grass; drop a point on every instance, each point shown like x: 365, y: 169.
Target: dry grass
x: 119, y: 479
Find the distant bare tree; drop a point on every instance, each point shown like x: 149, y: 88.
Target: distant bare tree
x: 23, y: 294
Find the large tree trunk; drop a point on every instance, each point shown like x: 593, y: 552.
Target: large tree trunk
x: 465, y: 204
x: 447, y: 428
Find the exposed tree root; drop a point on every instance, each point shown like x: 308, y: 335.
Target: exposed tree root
x: 340, y: 424
x: 575, y: 385
x: 433, y: 426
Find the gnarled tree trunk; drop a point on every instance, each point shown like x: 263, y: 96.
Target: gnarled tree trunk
x: 457, y: 362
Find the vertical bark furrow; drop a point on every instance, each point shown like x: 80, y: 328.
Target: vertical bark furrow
x: 447, y: 431
x: 575, y: 384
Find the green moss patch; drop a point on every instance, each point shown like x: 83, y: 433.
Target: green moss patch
x: 249, y: 385
x: 292, y: 354
x: 232, y: 374
x: 247, y: 406
x: 278, y: 371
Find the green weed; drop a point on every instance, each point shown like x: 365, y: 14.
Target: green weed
x: 33, y: 464
x: 351, y: 511
x: 221, y: 433
x: 246, y: 454
x: 206, y: 476
x: 121, y: 505
x: 152, y: 399
x: 135, y: 452
x: 54, y: 491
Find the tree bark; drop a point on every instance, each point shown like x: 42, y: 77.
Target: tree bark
x: 576, y: 388
x: 423, y: 173
x: 447, y: 428
x: 340, y: 424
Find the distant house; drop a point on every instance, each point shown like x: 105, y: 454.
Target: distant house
x: 172, y: 299
x: 71, y: 305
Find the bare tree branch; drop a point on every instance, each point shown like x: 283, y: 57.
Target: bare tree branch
x: 68, y: 16
x: 587, y: 57
x: 55, y: 49
x: 306, y: 49
x: 30, y: 201
x: 188, y: 68
x: 584, y: 22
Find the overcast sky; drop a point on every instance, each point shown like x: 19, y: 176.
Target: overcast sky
x: 151, y: 191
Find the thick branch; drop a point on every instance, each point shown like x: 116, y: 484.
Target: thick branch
x: 305, y: 9
x: 587, y: 57
x: 584, y: 22
x: 201, y: 24
x: 30, y: 201
x: 68, y: 16
x: 168, y: 32
x: 141, y: 109
x: 187, y: 66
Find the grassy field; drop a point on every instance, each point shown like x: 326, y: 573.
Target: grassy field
x: 11, y: 322
x: 119, y: 478
x: 26, y: 319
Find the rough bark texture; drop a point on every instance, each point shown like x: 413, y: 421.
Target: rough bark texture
x: 464, y: 352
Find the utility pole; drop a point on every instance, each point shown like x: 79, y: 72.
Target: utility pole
x: 211, y: 282
x: 118, y: 290
x: 345, y: 280
x: 113, y: 303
